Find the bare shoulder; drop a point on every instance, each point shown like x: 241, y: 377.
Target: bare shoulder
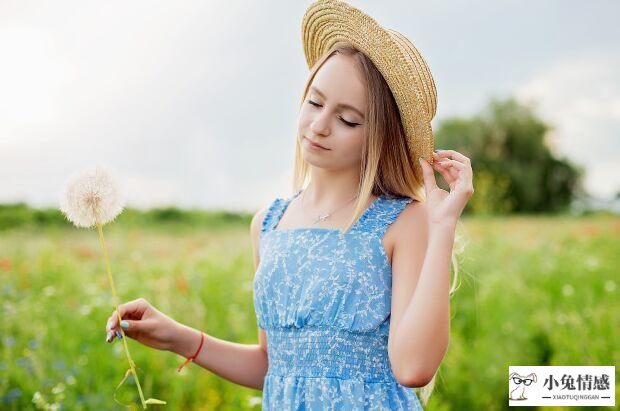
x: 257, y: 221
x: 410, y: 225
x: 414, y: 215
x: 255, y: 228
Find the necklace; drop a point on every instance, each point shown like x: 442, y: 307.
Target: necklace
x: 324, y: 216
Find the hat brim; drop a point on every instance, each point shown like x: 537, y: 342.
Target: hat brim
x: 328, y: 22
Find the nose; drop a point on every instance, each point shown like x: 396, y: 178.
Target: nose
x: 320, y: 124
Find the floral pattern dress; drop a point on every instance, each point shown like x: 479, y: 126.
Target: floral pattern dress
x: 324, y: 299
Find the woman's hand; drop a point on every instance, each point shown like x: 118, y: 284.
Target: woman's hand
x: 445, y: 208
x: 145, y: 324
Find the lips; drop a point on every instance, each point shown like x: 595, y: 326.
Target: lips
x: 316, y: 144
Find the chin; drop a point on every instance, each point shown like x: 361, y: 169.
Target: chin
x: 313, y: 159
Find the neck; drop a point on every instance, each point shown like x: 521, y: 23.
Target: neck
x: 328, y: 189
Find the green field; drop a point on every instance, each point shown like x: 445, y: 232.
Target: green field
x: 534, y: 291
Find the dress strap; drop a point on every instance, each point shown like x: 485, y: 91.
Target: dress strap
x: 275, y: 212
x: 383, y: 213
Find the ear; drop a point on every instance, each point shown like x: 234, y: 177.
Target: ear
x: 512, y: 375
x: 533, y: 376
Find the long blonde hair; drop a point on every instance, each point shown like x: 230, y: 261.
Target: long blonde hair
x: 387, y: 165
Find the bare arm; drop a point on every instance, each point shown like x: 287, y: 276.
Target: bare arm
x: 420, y: 328
x: 420, y: 334
x: 244, y: 364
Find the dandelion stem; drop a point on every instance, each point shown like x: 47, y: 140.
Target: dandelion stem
x: 118, y: 314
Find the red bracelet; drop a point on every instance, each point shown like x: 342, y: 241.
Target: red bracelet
x: 202, y: 339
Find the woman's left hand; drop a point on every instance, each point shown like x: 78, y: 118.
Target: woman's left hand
x: 445, y: 208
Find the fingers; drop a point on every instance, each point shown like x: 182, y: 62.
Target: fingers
x: 113, y: 334
x: 131, y: 314
x: 454, y: 155
x: 457, y: 164
x: 462, y: 172
x: 133, y: 309
x: 449, y: 174
x: 446, y: 172
x: 462, y: 181
x: 459, y: 168
x: 461, y: 163
x: 131, y: 328
x: 428, y: 174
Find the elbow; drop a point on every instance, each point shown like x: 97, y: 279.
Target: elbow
x: 408, y: 376
x: 415, y: 379
x: 420, y: 374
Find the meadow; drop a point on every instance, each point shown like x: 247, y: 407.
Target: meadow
x: 536, y: 290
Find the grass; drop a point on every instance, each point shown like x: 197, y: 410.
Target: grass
x: 534, y: 291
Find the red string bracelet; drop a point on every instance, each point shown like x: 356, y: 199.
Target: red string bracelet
x: 202, y: 339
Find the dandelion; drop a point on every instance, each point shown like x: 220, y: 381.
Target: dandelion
x: 93, y: 198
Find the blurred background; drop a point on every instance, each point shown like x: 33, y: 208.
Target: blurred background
x: 194, y: 107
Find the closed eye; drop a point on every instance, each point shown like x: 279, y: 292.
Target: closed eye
x: 352, y: 125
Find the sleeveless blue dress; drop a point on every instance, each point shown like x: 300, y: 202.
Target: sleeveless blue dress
x: 324, y: 300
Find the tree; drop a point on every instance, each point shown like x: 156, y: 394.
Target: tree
x: 514, y: 169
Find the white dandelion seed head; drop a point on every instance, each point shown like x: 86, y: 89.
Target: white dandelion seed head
x: 91, y: 196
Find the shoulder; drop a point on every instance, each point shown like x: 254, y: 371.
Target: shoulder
x: 410, y: 226
x: 255, y: 228
x: 258, y: 220
x: 261, y: 218
x: 413, y: 215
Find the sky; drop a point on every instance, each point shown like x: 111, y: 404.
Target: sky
x: 195, y: 103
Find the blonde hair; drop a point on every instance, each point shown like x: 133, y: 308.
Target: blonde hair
x: 387, y: 164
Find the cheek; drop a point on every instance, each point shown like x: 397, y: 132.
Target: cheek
x: 305, y: 115
x: 352, y: 141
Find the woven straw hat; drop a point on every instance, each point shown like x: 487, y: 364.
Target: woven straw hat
x: 327, y: 22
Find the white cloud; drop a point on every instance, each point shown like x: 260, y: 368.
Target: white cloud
x: 196, y: 102
x: 581, y: 99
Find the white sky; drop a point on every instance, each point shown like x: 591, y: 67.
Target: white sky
x: 195, y: 103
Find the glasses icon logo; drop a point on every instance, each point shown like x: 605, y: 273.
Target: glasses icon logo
x: 518, y: 384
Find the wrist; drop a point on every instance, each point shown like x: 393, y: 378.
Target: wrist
x: 186, y: 341
x: 442, y: 233
x: 443, y: 228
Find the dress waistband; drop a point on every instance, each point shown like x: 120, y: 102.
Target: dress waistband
x: 328, y: 352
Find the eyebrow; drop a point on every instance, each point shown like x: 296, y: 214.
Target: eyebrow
x: 320, y: 93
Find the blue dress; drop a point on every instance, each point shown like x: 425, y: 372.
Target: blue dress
x: 324, y: 299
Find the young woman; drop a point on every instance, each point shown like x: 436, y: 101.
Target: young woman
x: 352, y: 281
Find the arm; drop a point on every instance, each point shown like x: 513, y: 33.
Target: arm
x: 420, y: 334
x: 420, y: 319
x: 244, y: 364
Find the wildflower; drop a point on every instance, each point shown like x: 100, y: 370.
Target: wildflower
x: 93, y: 198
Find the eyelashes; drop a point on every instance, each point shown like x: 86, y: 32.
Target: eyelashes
x: 352, y: 125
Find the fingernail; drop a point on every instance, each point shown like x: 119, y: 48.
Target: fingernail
x: 118, y: 334
x: 108, y: 337
x: 437, y: 151
x: 124, y: 324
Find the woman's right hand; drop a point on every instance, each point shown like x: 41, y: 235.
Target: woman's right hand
x: 145, y: 324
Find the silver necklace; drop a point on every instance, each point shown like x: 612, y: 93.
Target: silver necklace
x: 324, y: 216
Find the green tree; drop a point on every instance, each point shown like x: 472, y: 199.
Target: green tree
x: 514, y: 169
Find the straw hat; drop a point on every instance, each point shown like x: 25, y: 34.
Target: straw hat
x: 327, y: 22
